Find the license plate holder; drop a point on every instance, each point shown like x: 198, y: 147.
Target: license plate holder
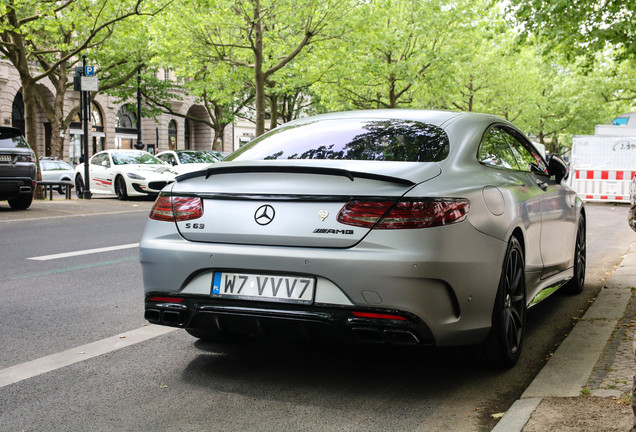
x: 263, y: 287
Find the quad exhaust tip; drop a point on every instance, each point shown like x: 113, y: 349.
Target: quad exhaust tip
x: 381, y: 336
x: 156, y: 316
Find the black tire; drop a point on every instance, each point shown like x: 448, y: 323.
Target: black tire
x: 502, y: 347
x: 79, y: 186
x: 22, y: 202
x: 120, y: 188
x: 61, y: 189
x: 575, y: 285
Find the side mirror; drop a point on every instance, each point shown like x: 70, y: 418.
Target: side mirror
x: 557, y: 168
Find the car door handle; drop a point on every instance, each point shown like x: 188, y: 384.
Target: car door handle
x: 543, y: 185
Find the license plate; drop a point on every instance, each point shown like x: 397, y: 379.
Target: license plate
x: 270, y: 288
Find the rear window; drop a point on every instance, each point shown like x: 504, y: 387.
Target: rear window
x: 12, y: 138
x: 350, y: 139
x: 53, y: 165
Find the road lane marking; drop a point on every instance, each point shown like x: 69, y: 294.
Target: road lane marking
x: 30, y: 219
x: 77, y: 267
x: 30, y: 369
x: 84, y: 252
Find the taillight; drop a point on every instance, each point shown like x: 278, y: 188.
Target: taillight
x: 424, y: 213
x: 176, y: 208
x: 24, y: 158
x: 363, y: 213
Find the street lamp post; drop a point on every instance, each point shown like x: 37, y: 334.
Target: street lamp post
x: 139, y: 145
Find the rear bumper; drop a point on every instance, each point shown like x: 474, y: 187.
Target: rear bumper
x: 12, y: 187
x: 446, y: 278
x: 322, y: 323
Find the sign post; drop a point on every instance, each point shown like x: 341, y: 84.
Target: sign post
x: 85, y: 97
x: 85, y: 82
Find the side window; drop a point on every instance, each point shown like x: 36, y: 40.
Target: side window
x: 100, y: 159
x: 97, y: 160
x: 167, y: 158
x: 495, y: 151
x: 526, y: 155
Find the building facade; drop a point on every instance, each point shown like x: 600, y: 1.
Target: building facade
x: 113, y: 126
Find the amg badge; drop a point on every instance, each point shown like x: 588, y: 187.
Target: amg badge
x: 332, y: 231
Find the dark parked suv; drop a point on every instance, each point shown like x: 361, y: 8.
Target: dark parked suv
x: 17, y: 169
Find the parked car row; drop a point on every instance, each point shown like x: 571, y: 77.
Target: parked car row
x: 134, y: 173
x: 124, y: 173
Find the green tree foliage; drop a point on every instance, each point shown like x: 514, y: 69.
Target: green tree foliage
x: 391, y: 50
x: 43, y: 39
x: 263, y: 37
x: 580, y: 27
x: 586, y: 53
x: 285, y: 58
x: 224, y: 90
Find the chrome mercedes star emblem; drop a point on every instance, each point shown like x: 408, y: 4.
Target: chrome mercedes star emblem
x: 264, y: 214
x: 322, y: 214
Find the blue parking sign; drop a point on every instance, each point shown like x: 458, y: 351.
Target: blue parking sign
x: 89, y: 70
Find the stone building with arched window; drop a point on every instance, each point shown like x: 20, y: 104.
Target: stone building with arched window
x: 114, y: 124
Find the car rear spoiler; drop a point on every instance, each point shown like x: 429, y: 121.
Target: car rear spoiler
x: 351, y: 175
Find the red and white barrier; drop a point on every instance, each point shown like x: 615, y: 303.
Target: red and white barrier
x: 603, y: 185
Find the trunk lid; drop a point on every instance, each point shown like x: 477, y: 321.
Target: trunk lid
x: 291, y: 203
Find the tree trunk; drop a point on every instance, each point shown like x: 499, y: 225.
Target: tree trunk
x: 393, y: 97
x: 219, y: 126
x: 31, y: 126
x: 273, y: 111
x: 259, y: 75
x: 56, y: 117
x: 554, y: 145
x: 217, y: 144
x: 541, y: 138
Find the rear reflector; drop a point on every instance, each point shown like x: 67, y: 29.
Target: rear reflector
x: 176, y: 208
x: 378, y: 316
x: 422, y: 213
x: 166, y: 299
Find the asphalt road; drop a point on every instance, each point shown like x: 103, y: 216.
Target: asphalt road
x: 76, y: 353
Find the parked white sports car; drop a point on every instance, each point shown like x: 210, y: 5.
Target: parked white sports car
x: 124, y: 173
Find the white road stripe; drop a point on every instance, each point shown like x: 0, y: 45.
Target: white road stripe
x: 66, y: 216
x: 17, y: 373
x: 84, y: 252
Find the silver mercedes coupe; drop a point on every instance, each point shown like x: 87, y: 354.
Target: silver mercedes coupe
x: 405, y: 227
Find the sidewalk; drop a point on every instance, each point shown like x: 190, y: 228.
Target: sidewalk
x: 61, y: 207
x: 587, y: 384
